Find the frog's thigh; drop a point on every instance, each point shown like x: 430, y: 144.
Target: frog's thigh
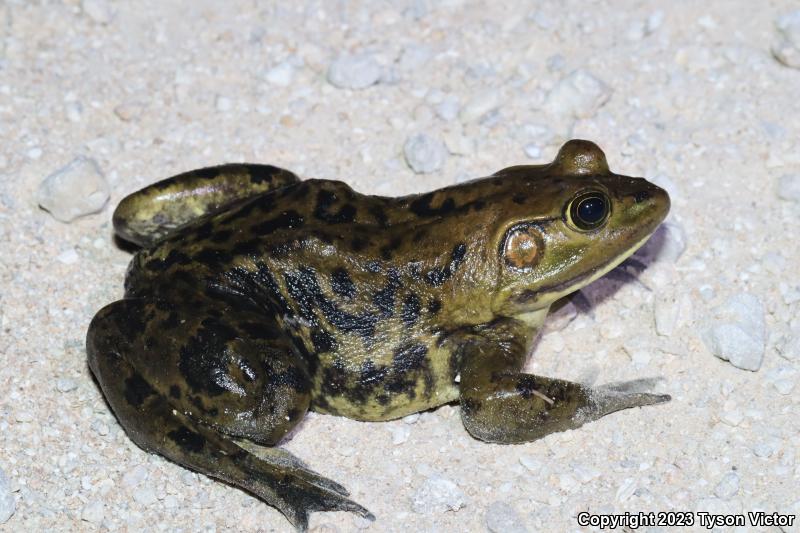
x: 499, y: 404
x: 154, y: 424
x: 233, y: 370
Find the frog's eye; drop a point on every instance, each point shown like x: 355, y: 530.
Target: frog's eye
x: 589, y: 210
x: 522, y: 247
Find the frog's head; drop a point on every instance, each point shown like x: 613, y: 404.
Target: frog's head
x: 573, y: 221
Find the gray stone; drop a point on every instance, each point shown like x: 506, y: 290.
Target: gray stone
x: 75, y: 190
x: 789, y: 187
x: 66, y: 384
x: 502, y: 518
x: 94, y: 512
x: 424, y: 154
x: 354, y: 71
x: 480, y: 105
x: 100, y: 11
x: 728, y: 486
x: 787, y: 46
x: 438, y: 494
x: 280, y: 75
x: 738, y: 332
x: 7, y: 503
x: 579, y: 95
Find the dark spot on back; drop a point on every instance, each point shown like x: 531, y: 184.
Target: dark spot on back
x: 286, y: 220
x: 411, y: 309
x: 434, y: 306
x: 137, y: 390
x: 175, y: 392
x: 342, y: 284
x: 422, y: 206
x: 208, y: 173
x: 187, y: 439
x: 262, y: 173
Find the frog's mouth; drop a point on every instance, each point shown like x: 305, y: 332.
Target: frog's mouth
x: 550, y: 293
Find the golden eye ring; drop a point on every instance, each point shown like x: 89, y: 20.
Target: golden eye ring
x: 588, y: 210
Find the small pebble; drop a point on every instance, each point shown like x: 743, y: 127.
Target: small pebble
x: 728, y: 486
x: 94, y: 512
x: 134, y: 476
x: 99, y: 11
x: 787, y: 46
x: 76, y: 190
x: 480, y: 105
x: 448, y: 108
x: 280, y: 75
x: 68, y: 257
x: 534, y: 465
x: 789, y: 187
x: 66, y: 384
x: 424, y: 154
x: 412, y: 418
x: 502, y: 518
x: 7, y: 503
x: 580, y: 94
x: 354, y: 72
x: 74, y: 111
x: 145, y: 496
x: 738, y: 332
x: 223, y: 103
x: 399, y: 433
x: 533, y: 151
x: 128, y: 111
x: 438, y: 494
x: 767, y: 448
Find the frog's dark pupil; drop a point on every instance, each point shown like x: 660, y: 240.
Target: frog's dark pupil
x: 592, y: 210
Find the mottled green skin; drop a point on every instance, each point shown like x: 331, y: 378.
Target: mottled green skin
x: 258, y: 296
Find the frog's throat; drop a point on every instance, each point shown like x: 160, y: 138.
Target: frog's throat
x: 531, y: 317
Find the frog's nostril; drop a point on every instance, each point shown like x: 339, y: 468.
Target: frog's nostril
x: 641, y: 196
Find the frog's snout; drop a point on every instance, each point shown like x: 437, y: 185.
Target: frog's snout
x: 652, y: 202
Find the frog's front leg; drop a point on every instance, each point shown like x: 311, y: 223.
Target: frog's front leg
x: 188, y: 380
x: 501, y: 404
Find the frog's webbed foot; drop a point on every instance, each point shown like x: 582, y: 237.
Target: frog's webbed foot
x: 501, y: 404
x: 611, y: 397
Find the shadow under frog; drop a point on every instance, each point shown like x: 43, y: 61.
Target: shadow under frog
x: 257, y: 296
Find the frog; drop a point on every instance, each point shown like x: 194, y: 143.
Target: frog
x: 255, y: 297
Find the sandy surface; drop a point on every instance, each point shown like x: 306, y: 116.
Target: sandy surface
x: 687, y: 93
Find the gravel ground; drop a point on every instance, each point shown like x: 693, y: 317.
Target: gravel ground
x: 99, y: 98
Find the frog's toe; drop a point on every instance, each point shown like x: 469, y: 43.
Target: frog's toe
x: 633, y: 386
x: 613, y: 397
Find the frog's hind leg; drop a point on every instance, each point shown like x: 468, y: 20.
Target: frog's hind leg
x: 157, y: 423
x: 153, y: 212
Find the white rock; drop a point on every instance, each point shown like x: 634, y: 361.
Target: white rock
x: 438, y: 494
x: 280, y: 75
x: 787, y: 46
x: 414, y: 57
x: 412, y: 418
x: 74, y: 111
x: 728, y: 486
x: 532, y: 464
x: 145, y: 496
x: 448, y: 108
x: 788, y: 346
x: 738, y: 333
x: 99, y: 11
x: 354, y: 71
x: 223, y: 103
x: 68, y: 257
x: 75, y: 190
x: 66, y: 384
x: 134, y: 476
x: 399, y: 433
x: 667, y: 243
x: 94, y: 512
x: 424, y: 154
x: 783, y: 378
x: 789, y: 187
x: 579, y: 94
x: 533, y: 151
x: 502, y: 518
x: 671, y: 311
x: 7, y: 503
x: 767, y: 448
x: 480, y: 105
